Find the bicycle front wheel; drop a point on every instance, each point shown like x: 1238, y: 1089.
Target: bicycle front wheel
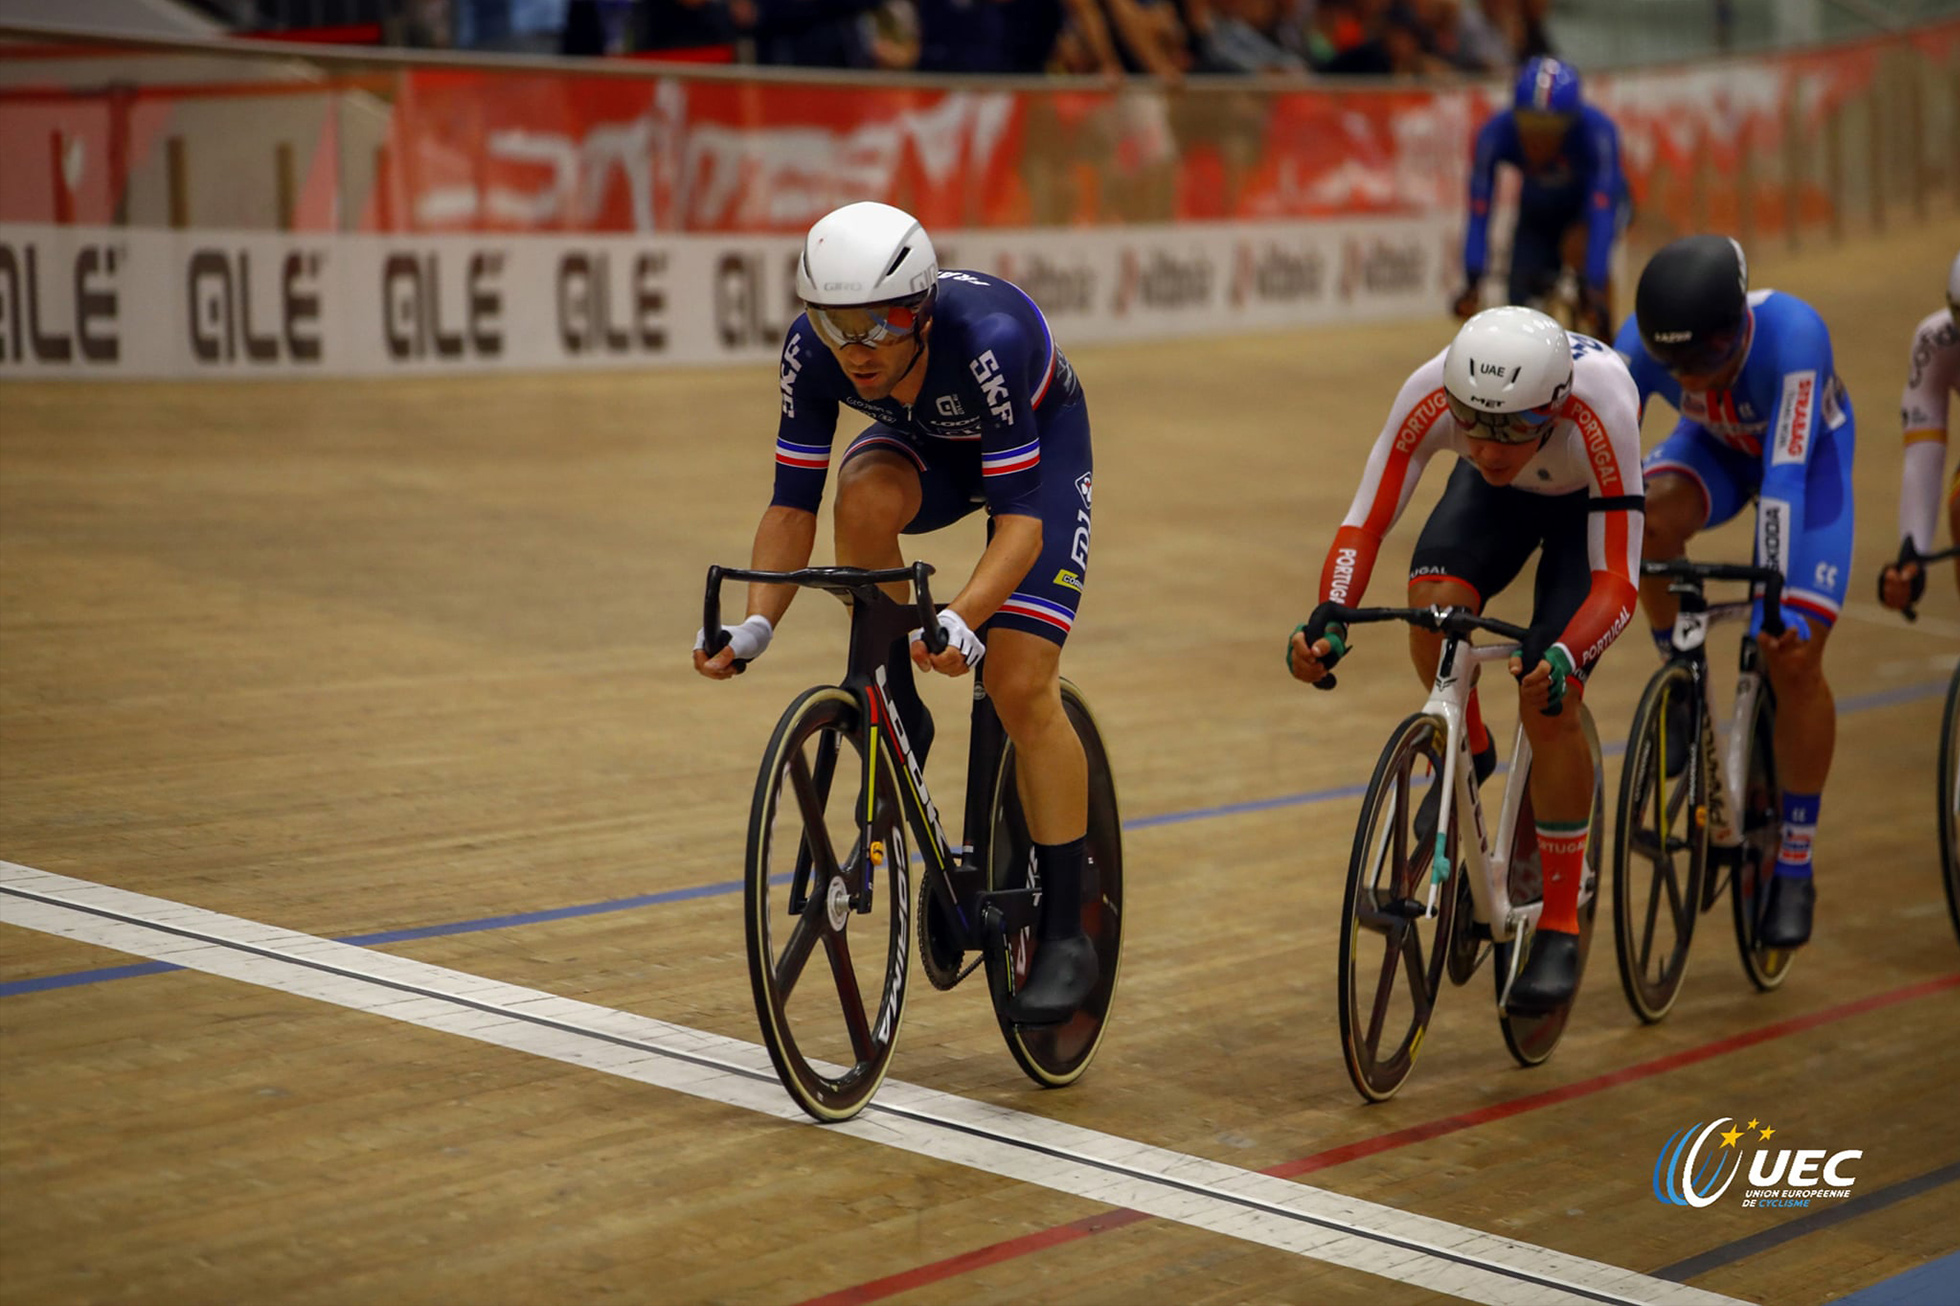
x: 1660, y: 851
x: 1761, y: 804
x: 1392, y: 952
x: 815, y: 883
x: 1949, y: 796
x: 1532, y: 1039
x: 1057, y: 1055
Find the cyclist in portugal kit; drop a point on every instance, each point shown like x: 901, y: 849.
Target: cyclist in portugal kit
x: 971, y: 405
x: 1764, y: 417
x: 1546, y: 428
x: 1934, y: 375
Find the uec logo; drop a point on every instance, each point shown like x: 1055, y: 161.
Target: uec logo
x: 1691, y: 1172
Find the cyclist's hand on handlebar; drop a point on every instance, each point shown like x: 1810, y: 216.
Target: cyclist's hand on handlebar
x: 745, y: 642
x: 1312, y: 662
x: 963, y: 649
x: 1543, y: 690
x: 1901, y: 585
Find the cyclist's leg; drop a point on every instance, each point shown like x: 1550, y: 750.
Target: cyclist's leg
x: 1561, y: 780
x: 1953, y: 519
x: 1471, y: 547
x: 1534, y: 255
x: 1024, y: 648
x: 1806, y: 713
x: 1693, y: 481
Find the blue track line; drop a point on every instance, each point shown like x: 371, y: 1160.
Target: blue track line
x: 41, y: 983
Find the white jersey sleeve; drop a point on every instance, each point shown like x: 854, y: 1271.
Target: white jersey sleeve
x: 1933, y: 375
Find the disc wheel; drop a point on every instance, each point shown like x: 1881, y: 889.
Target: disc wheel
x: 1057, y: 1055
x: 1392, y: 955
x: 827, y: 911
x: 1660, y: 851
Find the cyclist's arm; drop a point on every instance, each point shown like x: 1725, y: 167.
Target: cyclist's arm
x: 1483, y: 173
x: 1649, y: 377
x: 787, y: 534
x: 1806, y: 367
x: 1603, y: 201
x: 1009, y: 556
x: 1009, y: 369
x: 1923, y: 413
x: 1610, y: 427
x: 1418, y: 425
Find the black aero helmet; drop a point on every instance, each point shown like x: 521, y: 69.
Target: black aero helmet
x: 1693, y: 304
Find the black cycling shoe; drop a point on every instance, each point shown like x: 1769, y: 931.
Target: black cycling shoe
x: 1483, y: 763
x: 1680, y: 725
x: 1786, y: 916
x: 1549, y: 977
x: 1060, y: 980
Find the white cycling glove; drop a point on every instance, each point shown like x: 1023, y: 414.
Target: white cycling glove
x: 748, y: 639
x: 958, y: 637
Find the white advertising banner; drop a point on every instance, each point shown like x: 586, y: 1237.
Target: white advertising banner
x: 116, y: 302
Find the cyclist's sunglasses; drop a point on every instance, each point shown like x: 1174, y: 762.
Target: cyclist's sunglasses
x: 1505, y: 428
x: 872, y: 324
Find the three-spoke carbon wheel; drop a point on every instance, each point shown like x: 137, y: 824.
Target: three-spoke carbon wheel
x: 1055, y: 1055
x: 827, y: 909
x: 1532, y: 1039
x: 1392, y: 954
x: 1660, y: 848
x: 1760, y: 807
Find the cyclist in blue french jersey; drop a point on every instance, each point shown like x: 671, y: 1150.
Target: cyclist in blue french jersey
x: 1765, y: 417
x: 1573, y: 202
x: 971, y: 405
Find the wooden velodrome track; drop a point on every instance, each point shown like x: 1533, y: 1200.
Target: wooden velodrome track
x: 347, y: 659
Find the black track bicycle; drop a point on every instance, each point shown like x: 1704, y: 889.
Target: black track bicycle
x: 840, y: 809
x: 1681, y: 838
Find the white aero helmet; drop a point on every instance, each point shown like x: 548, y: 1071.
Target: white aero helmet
x: 1507, y: 374
x: 865, y: 274
x: 1953, y: 290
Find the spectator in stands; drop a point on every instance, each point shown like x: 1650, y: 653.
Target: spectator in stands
x: 963, y: 36
x: 704, y: 25
x: 1397, y: 44
x: 1150, y: 37
x: 1463, y: 38
x: 1243, y: 36
x: 807, y: 33
x: 1065, y: 35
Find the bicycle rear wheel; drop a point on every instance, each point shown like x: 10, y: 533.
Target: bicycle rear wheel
x: 813, y: 885
x: 1761, y: 804
x: 1660, y: 852
x: 1392, y: 955
x: 1057, y: 1055
x: 1532, y: 1039
x: 1949, y: 796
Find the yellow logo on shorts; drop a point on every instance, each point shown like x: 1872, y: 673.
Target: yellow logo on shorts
x: 1070, y: 579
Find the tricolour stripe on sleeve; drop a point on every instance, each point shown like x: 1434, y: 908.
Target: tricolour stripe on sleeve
x: 1029, y: 607
x: 1011, y: 460
x: 813, y: 456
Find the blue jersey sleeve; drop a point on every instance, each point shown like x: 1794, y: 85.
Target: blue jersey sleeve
x: 1649, y: 376
x: 809, y: 420
x: 1010, y: 369
x: 1483, y: 175
x: 1603, y: 188
x: 1804, y: 369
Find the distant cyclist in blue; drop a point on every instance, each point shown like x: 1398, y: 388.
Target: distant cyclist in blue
x: 1574, y: 199
x: 1764, y: 417
x: 971, y: 405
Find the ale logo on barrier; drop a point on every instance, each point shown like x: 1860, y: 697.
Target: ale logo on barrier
x: 43, y: 320
x: 225, y: 327
x: 744, y: 289
x: 598, y: 316
x: 413, y: 309
x: 1699, y: 1163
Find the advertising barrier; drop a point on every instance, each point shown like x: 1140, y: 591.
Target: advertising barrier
x: 116, y: 302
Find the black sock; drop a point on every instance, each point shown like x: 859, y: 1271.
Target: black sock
x: 1061, y: 888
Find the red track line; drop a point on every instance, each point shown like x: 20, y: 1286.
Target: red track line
x: 954, y: 1266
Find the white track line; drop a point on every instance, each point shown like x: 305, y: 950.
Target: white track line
x: 1120, y: 1172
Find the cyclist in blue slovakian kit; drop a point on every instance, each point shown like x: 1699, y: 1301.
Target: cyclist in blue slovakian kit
x: 1574, y: 198
x: 971, y: 405
x: 1764, y: 417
